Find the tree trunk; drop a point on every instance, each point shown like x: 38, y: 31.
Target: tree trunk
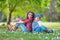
x: 10, y: 12
x: 0, y: 16
x: 52, y: 9
x: 9, y: 18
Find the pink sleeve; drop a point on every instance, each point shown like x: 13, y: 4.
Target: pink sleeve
x: 27, y: 20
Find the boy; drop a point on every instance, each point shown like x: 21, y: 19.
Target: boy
x: 37, y: 25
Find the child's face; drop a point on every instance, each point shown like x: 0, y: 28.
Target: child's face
x: 37, y: 19
x: 30, y: 15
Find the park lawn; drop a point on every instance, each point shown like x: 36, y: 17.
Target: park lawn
x: 19, y: 35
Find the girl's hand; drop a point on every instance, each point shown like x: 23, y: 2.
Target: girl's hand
x: 20, y: 22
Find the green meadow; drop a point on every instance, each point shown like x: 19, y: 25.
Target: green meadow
x: 20, y: 35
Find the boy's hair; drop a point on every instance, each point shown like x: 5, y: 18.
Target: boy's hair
x: 37, y: 15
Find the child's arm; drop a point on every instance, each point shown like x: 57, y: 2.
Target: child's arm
x: 25, y: 21
x: 35, y: 25
x: 40, y: 23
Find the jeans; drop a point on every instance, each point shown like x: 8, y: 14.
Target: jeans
x: 39, y: 29
x: 23, y: 27
x: 43, y: 28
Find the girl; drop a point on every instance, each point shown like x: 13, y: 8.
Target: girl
x: 26, y: 25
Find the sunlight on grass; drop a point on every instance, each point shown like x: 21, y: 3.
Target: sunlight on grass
x: 19, y: 35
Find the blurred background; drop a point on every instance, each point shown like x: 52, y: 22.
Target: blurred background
x: 49, y: 9
x: 11, y: 9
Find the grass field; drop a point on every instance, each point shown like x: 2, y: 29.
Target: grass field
x: 19, y: 35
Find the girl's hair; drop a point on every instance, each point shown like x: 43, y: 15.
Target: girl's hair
x: 32, y: 14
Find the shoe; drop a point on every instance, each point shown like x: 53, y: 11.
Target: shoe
x: 14, y: 27
x: 51, y: 31
x: 9, y: 28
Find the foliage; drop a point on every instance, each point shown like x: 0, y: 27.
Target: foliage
x: 23, y: 6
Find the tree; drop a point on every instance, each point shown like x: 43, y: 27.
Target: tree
x: 11, y: 9
x: 48, y: 8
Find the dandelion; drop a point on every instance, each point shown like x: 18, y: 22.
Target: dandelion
x: 58, y: 37
x: 46, y: 37
x: 21, y: 39
x: 54, y: 38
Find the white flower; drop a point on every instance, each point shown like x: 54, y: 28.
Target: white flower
x: 54, y: 38
x: 21, y: 38
x: 46, y: 37
x: 58, y: 33
x: 58, y: 37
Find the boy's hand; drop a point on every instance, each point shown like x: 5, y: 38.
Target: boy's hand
x: 40, y: 23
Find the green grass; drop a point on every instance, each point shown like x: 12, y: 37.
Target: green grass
x: 19, y: 35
